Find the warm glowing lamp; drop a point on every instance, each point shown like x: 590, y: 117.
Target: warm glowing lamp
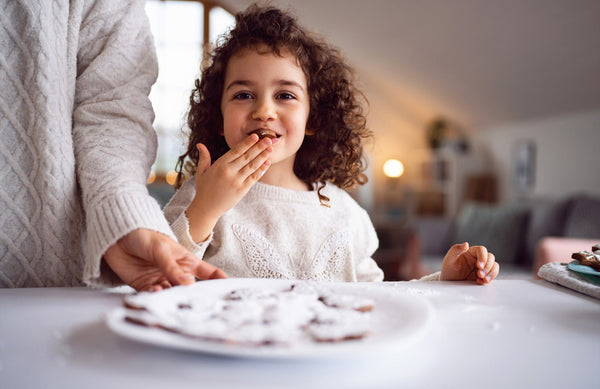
x: 171, y: 177
x: 393, y: 168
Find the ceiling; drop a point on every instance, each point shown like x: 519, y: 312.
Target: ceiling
x: 478, y: 63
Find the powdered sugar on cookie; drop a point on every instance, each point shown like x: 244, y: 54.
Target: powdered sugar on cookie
x: 305, y: 312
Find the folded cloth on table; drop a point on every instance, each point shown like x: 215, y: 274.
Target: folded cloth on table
x: 559, y: 274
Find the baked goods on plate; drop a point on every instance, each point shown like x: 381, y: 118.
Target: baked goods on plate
x: 256, y: 317
x: 274, y: 318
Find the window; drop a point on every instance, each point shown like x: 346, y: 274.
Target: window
x: 179, y: 29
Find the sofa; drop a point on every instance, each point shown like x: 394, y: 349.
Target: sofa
x: 523, y: 235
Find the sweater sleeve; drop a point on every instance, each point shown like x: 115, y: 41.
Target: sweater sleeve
x: 366, y: 243
x: 430, y: 277
x: 175, y: 214
x: 115, y: 144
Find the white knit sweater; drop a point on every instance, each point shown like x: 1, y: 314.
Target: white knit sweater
x: 76, y: 138
x: 281, y: 233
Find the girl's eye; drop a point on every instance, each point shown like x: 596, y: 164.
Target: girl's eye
x: 242, y: 96
x: 286, y: 96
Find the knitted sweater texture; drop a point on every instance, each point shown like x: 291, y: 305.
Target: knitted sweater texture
x: 76, y: 140
x: 275, y: 232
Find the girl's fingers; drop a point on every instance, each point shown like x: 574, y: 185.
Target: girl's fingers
x: 249, y: 156
x: 490, y: 262
x: 487, y: 265
x: 458, y: 249
x: 480, y: 254
x: 495, y: 271
x: 253, y: 162
x: 490, y: 276
x: 260, y: 150
x: 203, y: 158
x: 241, y: 148
x: 254, y: 168
x: 257, y: 174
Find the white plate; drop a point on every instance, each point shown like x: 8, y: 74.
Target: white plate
x: 397, y: 321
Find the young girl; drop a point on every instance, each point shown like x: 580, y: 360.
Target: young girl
x: 277, y: 133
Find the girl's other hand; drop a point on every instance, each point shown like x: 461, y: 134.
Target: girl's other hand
x: 464, y: 263
x: 223, y: 184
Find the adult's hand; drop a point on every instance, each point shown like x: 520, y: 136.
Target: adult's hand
x: 150, y: 261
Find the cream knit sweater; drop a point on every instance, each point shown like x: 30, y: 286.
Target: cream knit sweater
x: 275, y: 232
x: 76, y: 139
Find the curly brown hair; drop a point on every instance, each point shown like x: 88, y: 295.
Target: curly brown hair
x: 334, y: 149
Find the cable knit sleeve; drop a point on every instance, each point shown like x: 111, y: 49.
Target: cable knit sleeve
x: 115, y: 144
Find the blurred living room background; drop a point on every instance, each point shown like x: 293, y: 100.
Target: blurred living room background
x: 486, y: 117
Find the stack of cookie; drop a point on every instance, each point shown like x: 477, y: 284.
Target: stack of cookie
x: 589, y: 258
x: 304, y: 312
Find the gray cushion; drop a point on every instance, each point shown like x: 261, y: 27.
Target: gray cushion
x: 499, y: 228
x: 546, y: 218
x: 435, y: 233
x: 583, y: 220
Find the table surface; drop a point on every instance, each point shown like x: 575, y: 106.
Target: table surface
x: 512, y: 333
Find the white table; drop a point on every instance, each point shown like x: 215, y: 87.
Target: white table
x: 510, y: 334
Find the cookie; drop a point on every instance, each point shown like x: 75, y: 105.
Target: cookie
x: 347, y: 302
x: 254, y: 317
x: 587, y: 258
x: 249, y: 294
x: 265, y: 133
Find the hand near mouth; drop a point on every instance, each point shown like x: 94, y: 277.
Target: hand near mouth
x: 223, y: 184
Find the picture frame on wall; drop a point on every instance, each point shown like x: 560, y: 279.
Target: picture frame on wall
x: 524, y: 165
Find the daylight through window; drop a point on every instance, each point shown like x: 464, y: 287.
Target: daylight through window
x: 178, y: 28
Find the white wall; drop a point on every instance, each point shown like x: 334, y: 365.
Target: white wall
x: 567, y: 154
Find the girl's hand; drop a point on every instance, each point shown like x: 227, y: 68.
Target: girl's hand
x: 463, y: 263
x: 222, y: 185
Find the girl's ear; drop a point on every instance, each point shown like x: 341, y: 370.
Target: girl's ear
x: 308, y: 132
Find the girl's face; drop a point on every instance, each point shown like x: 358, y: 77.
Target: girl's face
x: 266, y: 91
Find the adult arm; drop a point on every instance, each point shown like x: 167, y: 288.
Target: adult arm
x: 115, y: 145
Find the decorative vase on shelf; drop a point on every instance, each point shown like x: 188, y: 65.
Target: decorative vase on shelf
x: 436, y: 133
x: 442, y: 134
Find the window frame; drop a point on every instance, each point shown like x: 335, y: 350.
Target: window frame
x: 208, y: 6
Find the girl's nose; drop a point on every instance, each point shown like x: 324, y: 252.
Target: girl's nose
x: 264, y: 110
